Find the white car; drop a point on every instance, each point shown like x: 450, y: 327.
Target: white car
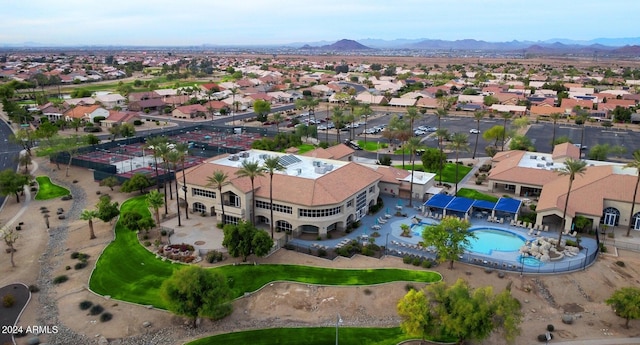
x: 474, y: 131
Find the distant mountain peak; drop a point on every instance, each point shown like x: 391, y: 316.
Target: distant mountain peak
x: 341, y: 45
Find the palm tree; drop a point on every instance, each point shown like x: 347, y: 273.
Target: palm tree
x: 162, y: 150
x: 234, y: 106
x: 271, y: 165
x: 478, y: 115
x: 440, y: 113
x: 554, y: 117
x: 413, y: 145
x: 337, y: 116
x: 155, y: 200
x: 413, y: 115
x: 277, y: 119
x: 183, y: 150
x: 173, y: 158
x: 459, y: 142
x: 251, y: 169
x: 572, y: 167
x: 505, y: 116
x: 153, y: 143
x: 353, y: 103
x: 404, y: 132
x: 441, y: 134
x: 634, y: 164
x: 88, y: 215
x: 216, y: 180
x: 366, y: 111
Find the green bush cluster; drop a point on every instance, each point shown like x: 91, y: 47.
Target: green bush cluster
x: 60, y: 279
x: 84, y: 305
x: 214, y: 256
x: 8, y: 300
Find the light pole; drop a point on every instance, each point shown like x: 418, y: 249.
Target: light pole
x: 338, y: 322
x: 386, y: 246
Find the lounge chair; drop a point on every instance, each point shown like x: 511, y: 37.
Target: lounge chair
x: 387, y: 216
x: 501, y: 220
x: 573, y: 234
x: 519, y: 224
x: 530, y: 232
x: 512, y: 222
x: 375, y: 227
x: 382, y: 220
x: 538, y: 233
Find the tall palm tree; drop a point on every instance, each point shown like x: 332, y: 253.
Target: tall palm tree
x: 173, y: 158
x: 271, y: 165
x: 162, y: 150
x: 554, y: 118
x: 277, y: 118
x: 572, y: 167
x: 234, y: 106
x: 337, y: 116
x: 183, y: 151
x: 442, y: 134
x: 413, y: 145
x: 440, y: 113
x: 217, y: 180
x: 251, y: 169
x: 154, y: 143
x: 634, y: 164
x: 477, y: 115
x: 404, y: 132
x: 353, y: 104
x: 413, y: 115
x: 459, y: 142
x: 366, y: 111
x: 505, y: 117
x: 155, y: 200
x: 89, y: 215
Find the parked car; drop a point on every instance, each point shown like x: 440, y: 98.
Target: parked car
x: 474, y: 131
x: 419, y: 132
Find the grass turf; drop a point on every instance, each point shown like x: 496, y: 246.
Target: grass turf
x: 372, y: 145
x: 474, y: 194
x: 305, y: 148
x: 127, y: 271
x: 311, y: 336
x: 47, y: 190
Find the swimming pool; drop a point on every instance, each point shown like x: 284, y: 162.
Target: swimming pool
x: 487, y: 240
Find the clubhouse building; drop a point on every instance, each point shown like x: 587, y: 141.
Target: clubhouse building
x: 318, y: 192
x: 603, y: 194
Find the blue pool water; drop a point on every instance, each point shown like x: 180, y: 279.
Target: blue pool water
x: 489, y: 240
x: 529, y: 261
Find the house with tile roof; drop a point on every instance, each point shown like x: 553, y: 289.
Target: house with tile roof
x: 311, y: 195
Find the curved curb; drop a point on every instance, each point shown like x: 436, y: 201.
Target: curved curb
x: 10, y: 335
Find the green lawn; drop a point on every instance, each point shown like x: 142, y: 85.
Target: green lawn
x: 372, y: 145
x: 311, y: 336
x: 305, y: 148
x: 47, y: 190
x: 129, y: 272
x: 474, y: 194
x: 448, y: 171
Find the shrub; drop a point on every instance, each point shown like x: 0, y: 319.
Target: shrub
x: 426, y: 264
x: 8, y: 300
x: 96, y: 309
x: 322, y: 253
x: 406, y: 259
x: 620, y: 263
x: 603, y: 248
x: 75, y: 255
x: 106, y: 317
x: 416, y: 261
x: 367, y: 251
x: 409, y: 287
x: 571, y: 243
x: 550, y: 328
x: 80, y: 265
x: 147, y: 243
x: 214, y: 256
x: 84, y: 305
x: 318, y: 238
x: 137, y: 122
x: 367, y: 291
x: 33, y: 288
x: 329, y: 236
x: 163, y: 233
x: 67, y: 268
x: 60, y: 279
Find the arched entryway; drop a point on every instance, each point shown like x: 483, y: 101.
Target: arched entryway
x: 636, y: 221
x: 199, y: 207
x: 283, y: 225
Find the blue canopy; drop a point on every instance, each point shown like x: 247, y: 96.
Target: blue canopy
x: 508, y: 205
x: 460, y: 204
x: 439, y: 201
x: 483, y: 204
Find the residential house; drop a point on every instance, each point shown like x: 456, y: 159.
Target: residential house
x: 112, y: 100
x: 85, y: 112
x: 189, y: 111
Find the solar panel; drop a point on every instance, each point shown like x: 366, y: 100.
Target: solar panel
x: 287, y: 160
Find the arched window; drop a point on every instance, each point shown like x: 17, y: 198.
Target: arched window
x: 283, y: 225
x: 610, y: 216
x: 199, y: 207
x: 636, y: 221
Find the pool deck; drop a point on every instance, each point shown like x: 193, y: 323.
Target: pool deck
x: 390, y: 237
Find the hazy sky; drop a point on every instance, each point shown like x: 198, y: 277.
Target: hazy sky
x: 194, y: 22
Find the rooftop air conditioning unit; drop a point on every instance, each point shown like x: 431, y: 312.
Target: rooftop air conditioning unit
x: 533, y: 157
x: 328, y: 167
x: 543, y: 158
x: 316, y: 163
x: 263, y: 156
x: 244, y: 154
x: 233, y: 158
x: 299, y: 171
x: 319, y: 170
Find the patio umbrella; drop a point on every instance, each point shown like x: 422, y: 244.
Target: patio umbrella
x: 387, y: 210
x: 377, y: 221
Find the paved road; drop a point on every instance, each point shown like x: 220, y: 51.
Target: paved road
x: 605, y: 341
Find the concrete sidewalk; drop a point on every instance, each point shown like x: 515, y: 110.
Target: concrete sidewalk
x: 605, y: 341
